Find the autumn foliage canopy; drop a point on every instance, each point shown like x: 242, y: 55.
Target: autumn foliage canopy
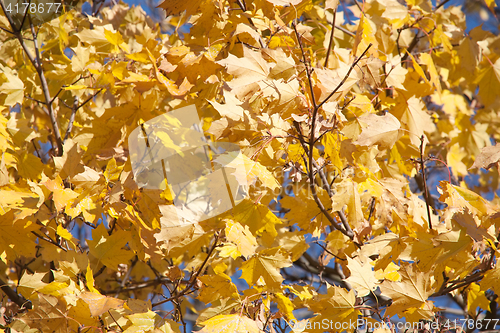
x: 367, y: 129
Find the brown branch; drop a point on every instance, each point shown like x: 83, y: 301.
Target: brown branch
x: 344, y: 30
x: 331, y: 39
x: 412, y: 45
x: 71, y: 118
x: 326, y: 185
x: 192, y: 281
x: 347, y: 231
x: 243, y: 8
x: 37, y: 63
x: 372, y: 209
x: 426, y: 190
x: 14, y: 297
x: 133, y: 286
x: 354, y: 64
x: 127, y: 275
x: 74, y: 109
x: 50, y: 240
x: 441, y: 4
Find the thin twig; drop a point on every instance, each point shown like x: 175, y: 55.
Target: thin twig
x: 344, y: 30
x: 372, y: 209
x: 115, y: 320
x: 354, y: 64
x: 36, y: 149
x: 49, y: 240
x: 426, y: 190
x: 441, y: 4
x: 331, y: 39
x: 347, y: 231
x: 243, y: 8
x: 192, y: 281
x: 127, y: 275
x: 71, y: 118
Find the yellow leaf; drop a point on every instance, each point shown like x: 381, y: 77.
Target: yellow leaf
x: 362, y: 277
x: 411, y: 292
x: 389, y: 273
x: 29, y: 283
x: 13, y: 88
x: 142, y: 322
x: 242, y: 237
x: 347, y: 195
x: 380, y: 130
x: 266, y: 264
x: 285, y: 305
x: 109, y: 249
x: 396, y: 13
x: 468, y: 52
x: 234, y: 323
x: 456, y: 196
x: 176, y: 7
x: 216, y: 287
x: 64, y: 233
x: 431, y: 68
x: 338, y: 305
x: 410, y: 112
x: 488, y: 157
x: 99, y: 304
x: 259, y: 219
x: 76, y: 87
x: 60, y: 195
x: 49, y: 314
x: 365, y: 35
x: 246, y: 170
x: 476, y: 298
x: 281, y: 41
x: 113, y: 171
x: 489, y: 83
x: 89, y: 276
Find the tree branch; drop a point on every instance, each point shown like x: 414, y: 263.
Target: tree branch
x: 331, y: 39
x: 187, y: 290
x: 426, y: 190
x: 37, y: 63
x: 14, y: 297
x: 347, y: 231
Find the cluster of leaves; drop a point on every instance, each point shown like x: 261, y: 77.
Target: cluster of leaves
x: 335, y: 116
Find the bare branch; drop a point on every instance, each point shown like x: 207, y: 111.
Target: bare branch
x: 14, y: 297
x: 345, y: 77
x: 426, y: 190
x: 37, y: 63
x: 331, y: 39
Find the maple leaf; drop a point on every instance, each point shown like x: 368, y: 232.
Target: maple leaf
x: 49, y: 315
x: 411, y: 113
x: 266, y: 265
x: 242, y: 237
x: 489, y: 157
x: 99, y: 304
x: 338, y: 305
x: 380, y: 130
x: 362, y: 277
x: 234, y: 323
x: 489, y: 82
x: 109, y: 249
x: 246, y: 170
x: 71, y: 104
x: 216, y: 287
x: 411, y: 292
